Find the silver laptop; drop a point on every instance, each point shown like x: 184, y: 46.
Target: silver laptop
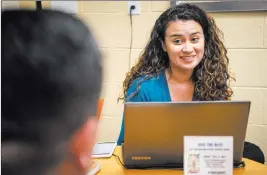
x: 154, y: 131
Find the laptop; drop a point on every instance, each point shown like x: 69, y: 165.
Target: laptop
x: 154, y: 131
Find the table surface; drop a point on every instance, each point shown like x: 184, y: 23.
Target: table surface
x: 110, y: 166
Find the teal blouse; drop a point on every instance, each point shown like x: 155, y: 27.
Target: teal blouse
x: 154, y: 89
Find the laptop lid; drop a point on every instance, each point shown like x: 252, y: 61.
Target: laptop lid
x: 154, y: 131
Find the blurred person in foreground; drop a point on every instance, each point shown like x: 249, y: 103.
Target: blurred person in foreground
x: 51, y: 81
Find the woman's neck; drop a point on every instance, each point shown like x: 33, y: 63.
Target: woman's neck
x: 177, y: 75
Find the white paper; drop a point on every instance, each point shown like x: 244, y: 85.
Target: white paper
x: 208, y: 155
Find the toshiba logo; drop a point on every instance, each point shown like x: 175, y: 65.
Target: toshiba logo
x: 141, y: 158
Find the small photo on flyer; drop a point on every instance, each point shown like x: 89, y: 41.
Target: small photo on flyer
x: 193, y: 163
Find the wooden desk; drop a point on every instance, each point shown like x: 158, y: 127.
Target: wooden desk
x: 112, y: 166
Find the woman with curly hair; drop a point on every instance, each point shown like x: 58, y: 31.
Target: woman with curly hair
x: 184, y: 60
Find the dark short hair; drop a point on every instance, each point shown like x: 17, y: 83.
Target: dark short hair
x: 51, y: 81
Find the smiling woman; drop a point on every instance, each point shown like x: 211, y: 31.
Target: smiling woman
x: 184, y: 60
x: 184, y: 43
x: 185, y: 47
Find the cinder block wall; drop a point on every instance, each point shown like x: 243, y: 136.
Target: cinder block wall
x: 245, y: 38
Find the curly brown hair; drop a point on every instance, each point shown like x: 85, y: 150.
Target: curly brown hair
x: 211, y: 76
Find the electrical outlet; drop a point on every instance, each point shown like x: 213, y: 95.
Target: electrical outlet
x: 135, y: 11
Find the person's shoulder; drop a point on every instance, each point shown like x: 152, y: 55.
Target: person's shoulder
x: 144, y: 85
x: 145, y: 82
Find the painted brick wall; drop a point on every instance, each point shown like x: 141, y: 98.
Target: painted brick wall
x: 245, y: 38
